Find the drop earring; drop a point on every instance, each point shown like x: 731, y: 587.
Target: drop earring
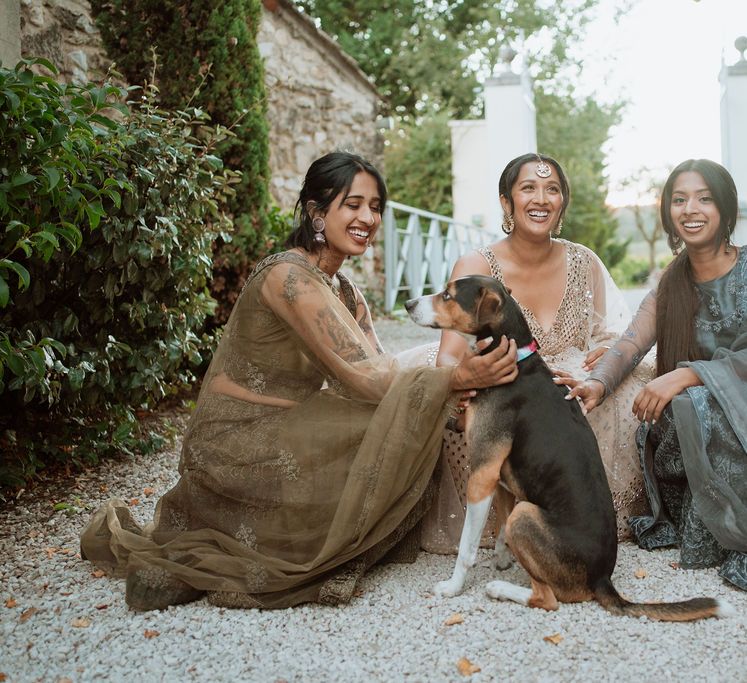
x: 508, y: 223
x: 318, y: 224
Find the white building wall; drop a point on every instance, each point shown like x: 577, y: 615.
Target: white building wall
x: 470, y: 172
x: 481, y: 149
x: 734, y: 133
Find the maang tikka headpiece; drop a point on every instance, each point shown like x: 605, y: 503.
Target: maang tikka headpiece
x: 543, y: 169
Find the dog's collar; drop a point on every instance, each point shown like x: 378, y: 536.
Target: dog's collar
x: 526, y: 351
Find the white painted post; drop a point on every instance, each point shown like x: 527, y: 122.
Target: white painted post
x: 481, y: 149
x: 734, y: 130
x: 511, y: 126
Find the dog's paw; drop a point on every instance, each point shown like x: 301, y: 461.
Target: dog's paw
x: 448, y: 589
x: 503, y: 590
x: 502, y: 558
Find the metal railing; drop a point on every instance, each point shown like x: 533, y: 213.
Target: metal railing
x: 420, y: 249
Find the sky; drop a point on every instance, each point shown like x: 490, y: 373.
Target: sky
x: 664, y: 58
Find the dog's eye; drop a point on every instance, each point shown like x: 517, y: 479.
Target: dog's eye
x: 446, y: 296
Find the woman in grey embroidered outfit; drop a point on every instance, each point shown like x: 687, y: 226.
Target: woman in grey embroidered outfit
x: 309, y: 454
x: 693, y: 441
x: 573, y: 309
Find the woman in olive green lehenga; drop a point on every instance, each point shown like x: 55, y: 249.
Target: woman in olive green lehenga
x: 310, y: 452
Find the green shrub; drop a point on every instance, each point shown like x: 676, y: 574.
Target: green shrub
x: 106, y: 259
x: 208, y: 55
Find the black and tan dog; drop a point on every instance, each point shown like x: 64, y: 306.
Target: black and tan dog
x: 528, y: 438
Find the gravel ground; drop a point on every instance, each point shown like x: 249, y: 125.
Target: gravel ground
x: 59, y: 621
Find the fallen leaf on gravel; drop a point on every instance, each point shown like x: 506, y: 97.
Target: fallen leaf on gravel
x: 134, y: 501
x: 640, y: 573
x: 33, y: 533
x: 64, y: 679
x: 103, y: 488
x: 27, y: 614
x: 98, y: 573
x: 674, y: 565
x: 555, y: 638
x: 81, y: 622
x: 103, y: 605
x: 150, y: 633
x: 66, y: 593
x: 358, y: 592
x: 10, y: 602
x: 50, y: 552
x: 456, y: 618
x: 3, y: 676
x: 467, y: 668
x: 148, y: 491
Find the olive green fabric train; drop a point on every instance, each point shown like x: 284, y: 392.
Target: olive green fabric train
x: 304, y: 461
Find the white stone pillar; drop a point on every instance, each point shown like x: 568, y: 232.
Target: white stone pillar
x: 734, y: 130
x: 510, y: 121
x: 10, y: 32
x: 481, y: 149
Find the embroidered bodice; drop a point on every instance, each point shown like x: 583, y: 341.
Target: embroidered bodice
x: 573, y: 324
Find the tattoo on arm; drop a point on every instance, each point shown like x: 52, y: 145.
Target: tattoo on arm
x: 365, y: 323
x: 295, y: 284
x: 342, y: 344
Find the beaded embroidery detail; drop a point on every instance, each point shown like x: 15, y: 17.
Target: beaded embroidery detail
x: 571, y: 321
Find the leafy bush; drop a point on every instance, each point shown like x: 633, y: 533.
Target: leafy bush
x: 207, y: 54
x: 231, y: 267
x: 636, y: 272
x: 106, y: 259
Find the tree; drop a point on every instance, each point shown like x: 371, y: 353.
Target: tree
x: 418, y: 162
x: 573, y: 131
x: 208, y: 56
x: 427, y: 55
x: 646, y: 216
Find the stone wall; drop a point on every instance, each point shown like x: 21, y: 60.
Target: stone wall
x: 10, y: 36
x: 63, y: 32
x: 319, y: 100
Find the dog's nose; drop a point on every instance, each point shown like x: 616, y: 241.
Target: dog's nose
x: 410, y: 304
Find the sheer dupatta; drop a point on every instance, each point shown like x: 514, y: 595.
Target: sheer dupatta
x: 289, y: 489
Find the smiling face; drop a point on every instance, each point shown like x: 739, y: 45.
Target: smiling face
x: 695, y: 216
x: 537, y: 202
x: 353, y: 217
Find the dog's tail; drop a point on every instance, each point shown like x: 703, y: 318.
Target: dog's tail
x: 686, y: 610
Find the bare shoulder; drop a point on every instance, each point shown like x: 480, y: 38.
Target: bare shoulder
x: 472, y: 263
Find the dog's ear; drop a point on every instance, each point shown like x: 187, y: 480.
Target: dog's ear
x: 488, y: 305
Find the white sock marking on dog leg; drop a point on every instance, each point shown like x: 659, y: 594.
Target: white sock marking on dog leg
x: 474, y: 523
x: 503, y: 590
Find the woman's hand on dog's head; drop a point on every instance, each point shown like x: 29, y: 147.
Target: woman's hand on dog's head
x: 498, y: 366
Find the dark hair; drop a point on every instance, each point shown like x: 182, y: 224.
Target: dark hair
x: 511, y: 173
x: 721, y: 185
x: 326, y: 178
x: 676, y: 297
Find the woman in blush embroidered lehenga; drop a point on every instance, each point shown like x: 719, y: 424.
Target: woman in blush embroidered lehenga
x: 574, y: 311
x: 693, y: 441
x: 310, y: 452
